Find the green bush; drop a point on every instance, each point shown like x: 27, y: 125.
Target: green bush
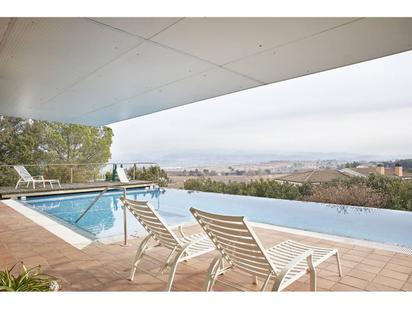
x: 373, y: 191
x: 152, y: 173
x: 261, y: 187
x: 28, y: 280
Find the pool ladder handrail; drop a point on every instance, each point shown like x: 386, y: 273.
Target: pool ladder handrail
x: 124, y: 209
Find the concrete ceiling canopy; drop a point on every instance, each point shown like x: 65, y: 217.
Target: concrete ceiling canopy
x: 102, y: 70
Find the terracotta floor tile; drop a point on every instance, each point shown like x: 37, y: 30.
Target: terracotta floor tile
x: 34, y: 261
x: 406, y: 257
x: 378, y: 257
x: 329, y: 275
x: 394, y: 274
x: 368, y: 268
x: 345, y: 269
x: 399, y: 268
x: 360, y: 274
x: 343, y: 287
x: 390, y: 282
x: 354, y: 258
x: 407, y: 287
x: 372, y: 262
x: 56, y: 260
x: 354, y: 282
x: 85, y: 284
x: 383, y: 252
x: 325, y: 284
x: 400, y: 261
x: 377, y: 287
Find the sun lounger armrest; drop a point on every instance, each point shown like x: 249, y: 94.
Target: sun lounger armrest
x: 180, y: 229
x: 305, y: 255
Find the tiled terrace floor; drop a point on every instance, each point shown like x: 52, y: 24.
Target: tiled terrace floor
x: 101, y: 267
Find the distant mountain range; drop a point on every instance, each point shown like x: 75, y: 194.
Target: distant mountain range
x: 219, y: 158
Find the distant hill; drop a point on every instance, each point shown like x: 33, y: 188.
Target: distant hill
x: 214, y: 158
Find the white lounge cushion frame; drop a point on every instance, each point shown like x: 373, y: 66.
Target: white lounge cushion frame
x: 182, y: 248
x: 241, y: 249
x: 26, y: 178
x: 121, y: 173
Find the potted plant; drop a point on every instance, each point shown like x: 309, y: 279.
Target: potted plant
x: 27, y: 280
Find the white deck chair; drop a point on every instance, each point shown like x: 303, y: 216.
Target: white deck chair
x: 240, y: 248
x: 122, y: 175
x: 25, y: 177
x: 182, y: 248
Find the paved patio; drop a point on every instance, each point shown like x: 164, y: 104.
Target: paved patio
x: 101, y: 267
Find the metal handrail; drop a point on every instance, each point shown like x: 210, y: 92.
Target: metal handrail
x: 72, y: 166
x: 124, y: 209
x: 80, y: 164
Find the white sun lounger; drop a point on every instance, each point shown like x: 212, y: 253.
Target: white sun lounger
x: 182, y: 248
x: 25, y: 177
x: 122, y: 175
x: 240, y: 249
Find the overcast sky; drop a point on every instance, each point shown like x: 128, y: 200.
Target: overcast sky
x: 364, y: 109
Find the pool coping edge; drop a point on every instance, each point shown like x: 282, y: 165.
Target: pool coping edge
x: 65, y: 233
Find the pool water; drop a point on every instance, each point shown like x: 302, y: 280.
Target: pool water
x: 105, y: 218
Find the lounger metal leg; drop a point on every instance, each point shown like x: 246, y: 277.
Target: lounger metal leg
x: 265, y: 283
x: 167, y: 263
x: 139, y: 254
x: 338, y: 262
x: 173, y: 270
x: 255, y: 280
x: 17, y: 185
x: 219, y: 269
x: 276, y: 285
x: 312, y: 272
x: 213, y: 273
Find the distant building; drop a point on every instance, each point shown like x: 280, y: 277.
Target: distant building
x: 396, y: 171
x: 313, y: 176
x: 321, y: 176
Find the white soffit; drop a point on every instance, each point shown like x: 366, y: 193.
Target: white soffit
x: 102, y: 70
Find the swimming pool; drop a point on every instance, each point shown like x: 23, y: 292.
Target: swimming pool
x: 105, y: 218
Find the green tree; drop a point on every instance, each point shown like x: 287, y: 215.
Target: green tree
x: 26, y: 141
x: 152, y: 173
x: 19, y: 143
x: 71, y: 143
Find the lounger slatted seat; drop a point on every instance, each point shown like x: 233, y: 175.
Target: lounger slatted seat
x: 25, y: 177
x: 240, y: 249
x: 182, y: 248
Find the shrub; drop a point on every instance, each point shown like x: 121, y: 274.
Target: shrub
x: 32, y: 280
x: 373, y: 191
x: 152, y: 173
x: 261, y: 187
x: 357, y: 195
